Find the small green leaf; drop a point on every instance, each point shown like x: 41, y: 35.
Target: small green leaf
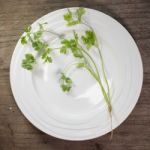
x: 63, y: 50
x: 48, y: 50
x: 41, y: 27
x: 72, y: 23
x: 65, y: 42
x: 80, y: 65
x: 48, y: 59
x: 89, y: 39
x: 72, y: 44
x: 38, y: 45
x: 24, y: 40
x: 62, y: 77
x: 27, y: 29
x: 65, y: 88
x: 45, y: 55
x: 74, y: 18
x: 37, y: 35
x: 75, y: 35
x: 80, y: 12
x: 65, y: 83
x: 28, y: 61
x: 68, y: 16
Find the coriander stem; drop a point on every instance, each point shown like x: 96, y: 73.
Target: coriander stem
x: 91, y: 61
x: 106, y: 97
x: 56, y: 48
x: 86, y: 24
x: 102, y: 89
x: 103, y: 70
x: 54, y: 33
x: 97, y: 79
x: 30, y: 38
x: 101, y: 58
x: 108, y: 101
x: 69, y: 66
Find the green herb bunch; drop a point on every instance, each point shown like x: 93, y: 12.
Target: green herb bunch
x: 84, y: 60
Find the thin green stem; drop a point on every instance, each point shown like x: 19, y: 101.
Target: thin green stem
x: 92, y: 73
x: 103, y: 70
x: 102, y: 89
x: 56, y: 48
x: 91, y: 60
x: 30, y: 38
x: 101, y: 58
x: 106, y: 97
x: 54, y: 33
x: 69, y: 66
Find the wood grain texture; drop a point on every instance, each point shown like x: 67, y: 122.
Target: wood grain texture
x: 16, y: 133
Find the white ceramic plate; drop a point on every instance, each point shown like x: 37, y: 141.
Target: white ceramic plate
x: 82, y: 113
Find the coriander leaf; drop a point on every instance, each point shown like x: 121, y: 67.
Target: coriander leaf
x: 47, y: 51
x: 71, y: 44
x: 80, y: 12
x: 89, y: 38
x: 27, y: 29
x: 66, y: 42
x: 45, y: 55
x: 68, y: 16
x: 38, y: 45
x: 65, y: 87
x: 74, y: 18
x: 63, y: 50
x: 65, y: 83
x: 77, y: 54
x: 73, y: 22
x: 27, y: 37
x: 75, y: 36
x: 62, y: 77
x: 24, y: 40
x: 41, y: 27
x: 37, y: 35
x: 48, y: 59
x: 80, y: 65
x: 28, y: 61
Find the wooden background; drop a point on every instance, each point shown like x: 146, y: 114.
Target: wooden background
x: 16, y: 133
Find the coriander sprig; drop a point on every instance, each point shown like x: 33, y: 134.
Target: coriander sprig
x: 39, y: 45
x: 65, y: 82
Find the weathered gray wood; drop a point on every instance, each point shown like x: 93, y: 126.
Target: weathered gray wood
x: 16, y: 132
